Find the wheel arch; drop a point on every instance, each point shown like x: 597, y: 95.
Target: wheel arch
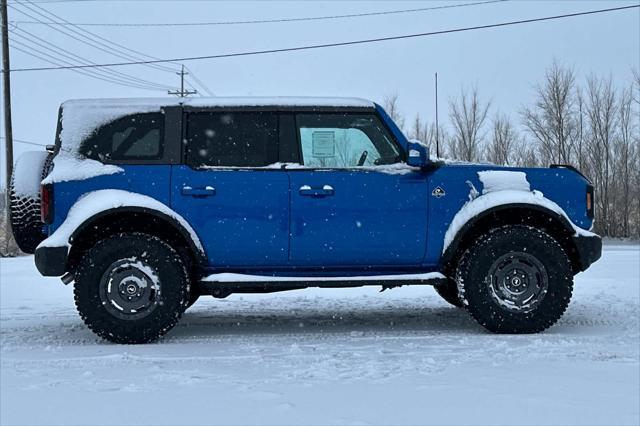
x: 133, y: 219
x: 534, y: 215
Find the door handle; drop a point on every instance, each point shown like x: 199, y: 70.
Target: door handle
x: 207, y: 191
x: 308, y: 191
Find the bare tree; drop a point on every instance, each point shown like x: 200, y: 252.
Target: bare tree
x: 552, y: 121
x: 425, y: 132
x: 525, y: 154
x: 624, y: 156
x: 468, y: 115
x: 601, y: 115
x: 636, y: 86
x: 391, y: 107
x: 503, y: 143
x: 419, y: 130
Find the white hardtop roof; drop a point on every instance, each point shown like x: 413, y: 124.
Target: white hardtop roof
x: 145, y: 104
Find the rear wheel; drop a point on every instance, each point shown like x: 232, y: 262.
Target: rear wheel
x: 131, y: 288
x: 515, y: 279
x: 26, y: 224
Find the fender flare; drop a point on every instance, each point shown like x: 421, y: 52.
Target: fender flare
x: 101, y: 203
x: 194, y: 246
x: 450, y: 250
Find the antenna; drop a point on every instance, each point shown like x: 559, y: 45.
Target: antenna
x: 437, y: 126
x: 182, y: 92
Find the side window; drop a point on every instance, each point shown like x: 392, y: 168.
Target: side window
x: 345, y: 141
x: 134, y: 137
x: 232, y: 139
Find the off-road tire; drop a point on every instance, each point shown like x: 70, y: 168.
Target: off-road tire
x: 167, y: 265
x: 449, y: 292
x: 473, y: 280
x: 24, y: 209
x: 194, y: 295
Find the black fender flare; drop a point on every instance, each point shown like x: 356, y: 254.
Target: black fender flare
x: 195, y: 247
x: 453, y: 248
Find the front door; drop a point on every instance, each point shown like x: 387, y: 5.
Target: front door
x: 238, y: 207
x: 353, y: 204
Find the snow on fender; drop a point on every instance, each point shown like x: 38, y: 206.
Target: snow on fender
x: 97, y: 202
x: 487, y: 201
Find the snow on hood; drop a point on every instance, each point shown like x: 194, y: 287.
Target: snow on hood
x: 98, y: 201
x: 500, y: 180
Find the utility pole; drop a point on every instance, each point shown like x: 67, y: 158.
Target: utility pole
x: 8, y: 133
x: 182, y: 92
x: 437, y: 125
x: 6, y: 77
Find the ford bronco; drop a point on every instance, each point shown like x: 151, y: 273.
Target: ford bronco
x: 147, y: 204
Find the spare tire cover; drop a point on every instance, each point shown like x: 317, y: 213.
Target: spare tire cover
x: 26, y: 224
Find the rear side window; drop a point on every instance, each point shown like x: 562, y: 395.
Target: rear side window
x: 134, y: 137
x: 232, y: 139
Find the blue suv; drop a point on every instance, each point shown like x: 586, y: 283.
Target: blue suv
x: 147, y: 204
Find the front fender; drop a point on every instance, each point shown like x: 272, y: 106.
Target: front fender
x: 474, y: 211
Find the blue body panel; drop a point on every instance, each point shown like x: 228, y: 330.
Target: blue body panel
x: 562, y: 186
x: 348, y: 221
x: 245, y: 222
x: 153, y: 181
x: 369, y: 219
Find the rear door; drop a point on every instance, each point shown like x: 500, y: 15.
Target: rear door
x: 228, y: 190
x: 351, y: 205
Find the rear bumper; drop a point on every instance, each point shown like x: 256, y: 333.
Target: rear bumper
x: 589, y: 249
x: 51, y: 261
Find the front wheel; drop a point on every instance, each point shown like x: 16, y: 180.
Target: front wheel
x: 515, y: 279
x: 131, y: 288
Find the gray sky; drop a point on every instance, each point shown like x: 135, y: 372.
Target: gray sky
x: 504, y: 63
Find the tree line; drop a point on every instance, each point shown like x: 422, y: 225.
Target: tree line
x: 593, y: 125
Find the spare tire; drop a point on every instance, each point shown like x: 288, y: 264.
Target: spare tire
x: 26, y: 224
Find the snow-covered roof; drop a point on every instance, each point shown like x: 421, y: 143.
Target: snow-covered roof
x: 232, y: 101
x: 80, y: 118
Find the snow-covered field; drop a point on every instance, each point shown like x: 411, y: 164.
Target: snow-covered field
x: 351, y: 356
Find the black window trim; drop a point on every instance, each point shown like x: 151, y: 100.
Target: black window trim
x: 392, y: 137
x: 169, y: 150
x: 190, y: 110
x: 280, y: 110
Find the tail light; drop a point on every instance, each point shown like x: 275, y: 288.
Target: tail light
x: 46, y: 203
x: 590, y: 201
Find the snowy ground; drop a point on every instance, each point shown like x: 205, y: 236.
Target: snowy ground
x: 351, y: 356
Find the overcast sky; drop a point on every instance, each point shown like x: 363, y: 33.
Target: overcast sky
x: 504, y: 63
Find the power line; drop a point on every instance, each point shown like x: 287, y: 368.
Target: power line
x: 57, y: 60
x: 339, y: 44
x: 270, y: 21
x: 58, y: 63
x: 203, y: 86
x: 87, y: 37
x: 24, y: 142
x: 59, y: 51
x: 91, y: 38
